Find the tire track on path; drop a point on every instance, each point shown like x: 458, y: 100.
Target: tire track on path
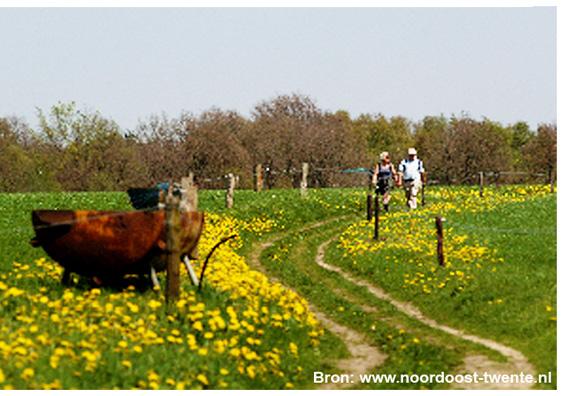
x: 516, y: 364
x: 364, y: 357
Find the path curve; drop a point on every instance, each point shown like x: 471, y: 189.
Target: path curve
x: 517, y: 362
x: 364, y: 357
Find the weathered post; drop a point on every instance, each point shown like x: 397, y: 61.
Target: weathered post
x: 551, y: 181
x: 189, y: 203
x: 267, y: 176
x: 369, y: 206
x: 304, y: 182
x: 258, y: 178
x: 481, y: 181
x: 173, y: 229
x: 230, y: 190
x: 440, y: 241
x: 377, y: 217
x: 189, y: 197
x: 424, y: 182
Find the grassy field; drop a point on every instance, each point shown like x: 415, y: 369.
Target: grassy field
x: 244, y: 331
x: 240, y: 332
x: 500, y: 273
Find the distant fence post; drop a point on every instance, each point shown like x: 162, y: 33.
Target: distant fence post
x: 173, y: 227
x: 551, y: 181
x: 481, y: 181
x: 377, y: 217
x: 440, y: 240
x: 304, y: 182
x: 230, y: 190
x: 267, y: 176
x: 258, y: 178
x: 189, y: 197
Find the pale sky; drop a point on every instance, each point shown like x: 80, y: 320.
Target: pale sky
x: 130, y: 63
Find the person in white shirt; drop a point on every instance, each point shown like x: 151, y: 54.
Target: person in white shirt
x: 412, y: 175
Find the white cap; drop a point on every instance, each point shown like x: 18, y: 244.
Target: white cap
x: 411, y: 151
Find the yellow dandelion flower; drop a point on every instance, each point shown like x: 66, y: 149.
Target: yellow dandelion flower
x: 27, y: 373
x: 202, y: 379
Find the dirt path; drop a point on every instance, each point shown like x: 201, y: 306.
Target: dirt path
x: 516, y: 364
x: 364, y: 357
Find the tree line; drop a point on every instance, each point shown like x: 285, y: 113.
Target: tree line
x: 78, y: 150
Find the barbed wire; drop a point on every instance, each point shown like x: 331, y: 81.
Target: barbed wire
x: 268, y: 171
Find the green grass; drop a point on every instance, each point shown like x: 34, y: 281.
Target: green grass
x: 285, y: 206
x: 523, y: 234
x: 292, y: 259
x: 174, y: 361
x: 505, y: 301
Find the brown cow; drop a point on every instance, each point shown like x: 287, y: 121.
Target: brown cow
x: 107, y: 245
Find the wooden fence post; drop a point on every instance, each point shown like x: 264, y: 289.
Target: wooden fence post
x: 481, y: 181
x: 189, y: 197
x: 304, y: 182
x: 377, y: 217
x: 369, y: 206
x: 230, y: 191
x: 267, y: 177
x: 189, y: 203
x: 551, y: 181
x: 258, y: 178
x: 440, y: 241
x: 173, y: 228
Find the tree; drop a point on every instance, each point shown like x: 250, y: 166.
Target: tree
x: 280, y: 135
x: 540, y: 152
x: 476, y: 146
x: 213, y: 148
x: 432, y: 141
x: 75, y: 149
x: 89, y: 150
x: 519, y: 134
x: 382, y: 134
x: 291, y: 129
x: 20, y: 165
x: 161, y: 146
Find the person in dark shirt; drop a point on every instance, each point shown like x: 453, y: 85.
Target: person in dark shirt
x: 384, y: 173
